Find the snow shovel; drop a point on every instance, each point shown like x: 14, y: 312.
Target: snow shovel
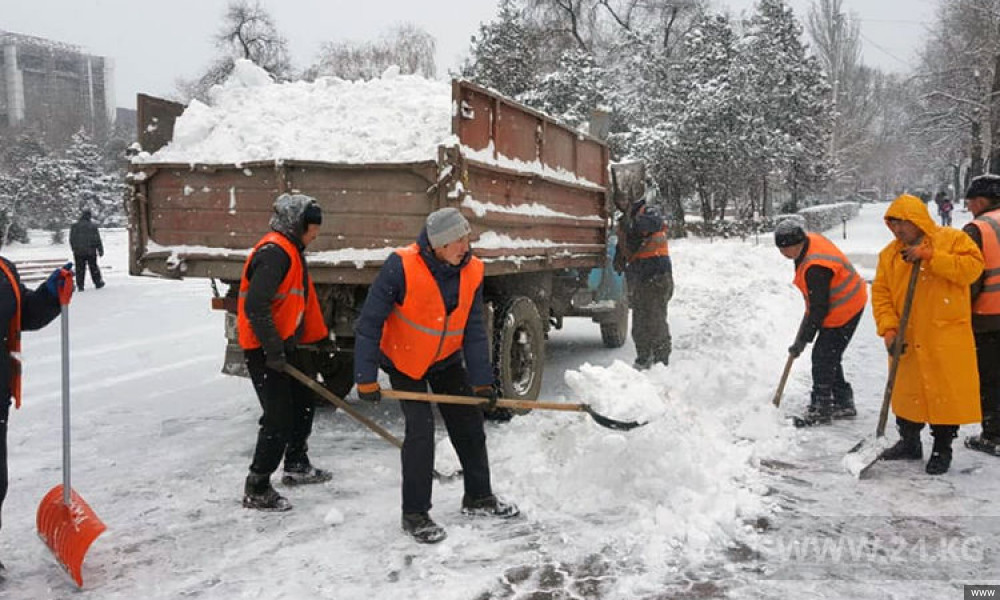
x: 65, y: 522
x: 517, y: 404
x: 866, y: 453
x: 332, y: 398
x: 776, y: 401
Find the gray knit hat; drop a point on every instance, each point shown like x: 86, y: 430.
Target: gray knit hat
x: 445, y: 226
x: 789, y: 232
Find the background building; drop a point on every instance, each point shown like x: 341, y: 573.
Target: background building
x: 54, y: 88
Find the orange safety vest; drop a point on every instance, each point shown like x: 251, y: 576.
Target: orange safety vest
x: 653, y: 245
x: 848, y: 292
x: 290, y: 304
x: 14, y: 337
x: 988, y: 300
x: 418, y: 332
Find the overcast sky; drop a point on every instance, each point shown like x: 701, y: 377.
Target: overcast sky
x: 154, y: 43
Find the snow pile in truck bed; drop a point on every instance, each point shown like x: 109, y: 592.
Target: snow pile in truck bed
x: 397, y: 118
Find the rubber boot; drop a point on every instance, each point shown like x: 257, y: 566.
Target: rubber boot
x: 908, y: 447
x: 940, y: 460
x: 490, y: 506
x: 423, y: 529
x: 258, y: 494
x: 843, y: 402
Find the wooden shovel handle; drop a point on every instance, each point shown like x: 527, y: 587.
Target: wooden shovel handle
x: 475, y: 400
x: 897, y: 350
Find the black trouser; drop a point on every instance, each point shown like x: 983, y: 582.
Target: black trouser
x: 943, y: 434
x: 829, y: 385
x: 288, y: 409
x: 649, y: 296
x: 4, y: 414
x: 82, y: 261
x: 988, y: 360
x: 465, y: 429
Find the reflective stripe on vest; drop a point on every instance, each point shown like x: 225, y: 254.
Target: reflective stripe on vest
x: 848, y: 292
x: 418, y: 332
x: 14, y: 337
x: 289, y: 306
x: 988, y: 300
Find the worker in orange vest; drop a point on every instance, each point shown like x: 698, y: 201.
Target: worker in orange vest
x: 983, y: 199
x: 277, y: 311
x: 22, y: 309
x: 423, y: 323
x: 835, y: 297
x: 643, y: 254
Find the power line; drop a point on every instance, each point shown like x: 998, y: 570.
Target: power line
x: 885, y: 51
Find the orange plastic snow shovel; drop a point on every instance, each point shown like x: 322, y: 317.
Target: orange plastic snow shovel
x: 65, y: 522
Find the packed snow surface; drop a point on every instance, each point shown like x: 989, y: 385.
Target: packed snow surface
x: 690, y: 505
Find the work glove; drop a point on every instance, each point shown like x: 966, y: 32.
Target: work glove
x: 275, y: 360
x: 489, y: 393
x: 921, y: 252
x: 276, y: 356
x: 370, y: 392
x: 100, y: 251
x: 60, y: 283
x: 796, y: 349
x: 890, y: 342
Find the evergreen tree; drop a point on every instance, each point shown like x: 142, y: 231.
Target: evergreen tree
x: 87, y: 185
x: 503, y: 55
x: 786, y: 97
x: 572, y: 91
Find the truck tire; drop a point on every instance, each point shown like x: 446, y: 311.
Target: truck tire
x: 614, y: 330
x: 518, y: 349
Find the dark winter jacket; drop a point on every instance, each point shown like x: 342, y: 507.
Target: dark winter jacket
x: 389, y: 289
x: 641, y: 225
x: 84, y: 237
x: 267, y: 270
x: 38, y: 308
x: 818, y: 280
x: 980, y: 322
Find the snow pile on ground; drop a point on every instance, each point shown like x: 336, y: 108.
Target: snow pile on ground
x: 686, y: 484
x: 397, y: 118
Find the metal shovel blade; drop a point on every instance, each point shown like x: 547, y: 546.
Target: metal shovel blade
x: 863, y: 455
x: 68, y: 530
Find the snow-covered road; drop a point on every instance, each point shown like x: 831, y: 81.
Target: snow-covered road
x: 704, y: 502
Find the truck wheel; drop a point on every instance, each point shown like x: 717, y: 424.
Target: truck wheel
x: 518, y: 349
x: 614, y: 330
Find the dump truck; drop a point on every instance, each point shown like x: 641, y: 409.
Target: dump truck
x: 535, y: 191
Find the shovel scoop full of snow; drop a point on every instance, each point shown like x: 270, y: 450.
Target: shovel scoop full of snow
x: 864, y: 455
x: 68, y: 529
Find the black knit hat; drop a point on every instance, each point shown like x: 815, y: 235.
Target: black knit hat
x: 313, y: 214
x: 788, y: 233
x: 984, y: 186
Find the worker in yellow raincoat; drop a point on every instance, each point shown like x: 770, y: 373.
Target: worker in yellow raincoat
x: 937, y: 381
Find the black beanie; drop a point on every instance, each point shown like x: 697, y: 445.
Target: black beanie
x: 984, y: 186
x: 788, y: 233
x: 313, y: 215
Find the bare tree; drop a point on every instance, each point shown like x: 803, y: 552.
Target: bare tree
x: 248, y: 31
x: 407, y: 46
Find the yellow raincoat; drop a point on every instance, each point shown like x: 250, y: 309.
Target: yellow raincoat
x: 937, y: 381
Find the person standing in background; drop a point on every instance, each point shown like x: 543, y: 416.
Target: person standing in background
x: 85, y: 242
